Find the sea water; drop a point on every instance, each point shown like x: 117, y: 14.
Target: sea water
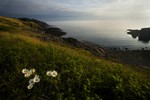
x: 103, y: 33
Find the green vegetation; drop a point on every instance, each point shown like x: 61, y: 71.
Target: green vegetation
x: 6, y: 28
x: 81, y: 76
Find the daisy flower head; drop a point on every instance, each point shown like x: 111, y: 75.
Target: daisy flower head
x: 36, y: 79
x: 27, y: 75
x: 30, y: 86
x: 31, y: 81
x: 48, y: 73
x: 54, y: 73
x: 32, y: 71
x: 25, y: 71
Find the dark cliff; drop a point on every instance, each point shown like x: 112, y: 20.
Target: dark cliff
x: 143, y: 34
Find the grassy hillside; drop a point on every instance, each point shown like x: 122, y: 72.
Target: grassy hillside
x: 81, y: 76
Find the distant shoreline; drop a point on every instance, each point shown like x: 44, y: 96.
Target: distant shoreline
x: 117, y: 38
x: 127, y: 55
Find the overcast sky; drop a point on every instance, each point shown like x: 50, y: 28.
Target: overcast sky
x: 77, y: 9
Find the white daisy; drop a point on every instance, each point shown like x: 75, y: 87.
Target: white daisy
x: 36, y: 79
x: 27, y: 75
x: 31, y: 81
x: 48, y: 73
x: 32, y: 71
x: 25, y: 71
x: 30, y: 86
x: 53, y: 73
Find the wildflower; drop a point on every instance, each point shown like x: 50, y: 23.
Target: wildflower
x: 32, y: 71
x: 51, y: 73
x: 36, y: 79
x: 30, y: 86
x: 48, y: 73
x: 31, y: 81
x: 25, y: 71
x: 54, y: 73
x: 27, y: 75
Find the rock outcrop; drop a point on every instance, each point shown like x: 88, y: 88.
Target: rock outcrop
x: 143, y: 34
x: 55, y: 31
x: 55, y: 34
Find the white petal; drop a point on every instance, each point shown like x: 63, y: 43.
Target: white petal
x: 54, y: 73
x: 36, y: 79
x: 30, y: 86
x: 31, y: 81
x: 48, y: 73
x: 32, y: 71
x: 27, y: 75
x: 36, y: 76
x: 24, y: 71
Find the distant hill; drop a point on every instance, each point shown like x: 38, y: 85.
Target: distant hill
x: 40, y: 23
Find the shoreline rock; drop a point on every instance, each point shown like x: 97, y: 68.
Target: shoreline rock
x: 143, y: 34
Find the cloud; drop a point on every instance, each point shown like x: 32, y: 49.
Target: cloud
x: 129, y: 9
x: 77, y: 9
x: 46, y: 9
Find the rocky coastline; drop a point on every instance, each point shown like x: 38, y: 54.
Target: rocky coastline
x: 131, y: 57
x: 143, y: 34
x: 55, y: 34
x: 124, y: 55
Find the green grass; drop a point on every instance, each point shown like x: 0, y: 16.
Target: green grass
x: 81, y: 76
x: 11, y: 21
x: 7, y: 28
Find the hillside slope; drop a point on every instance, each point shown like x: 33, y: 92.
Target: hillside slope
x: 81, y: 76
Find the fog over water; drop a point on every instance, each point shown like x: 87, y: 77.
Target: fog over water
x: 104, y: 33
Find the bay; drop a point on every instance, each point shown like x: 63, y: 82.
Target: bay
x: 103, y: 33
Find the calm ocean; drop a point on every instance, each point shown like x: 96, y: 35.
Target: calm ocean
x: 102, y: 33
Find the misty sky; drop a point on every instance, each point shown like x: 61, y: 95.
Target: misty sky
x: 109, y: 10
